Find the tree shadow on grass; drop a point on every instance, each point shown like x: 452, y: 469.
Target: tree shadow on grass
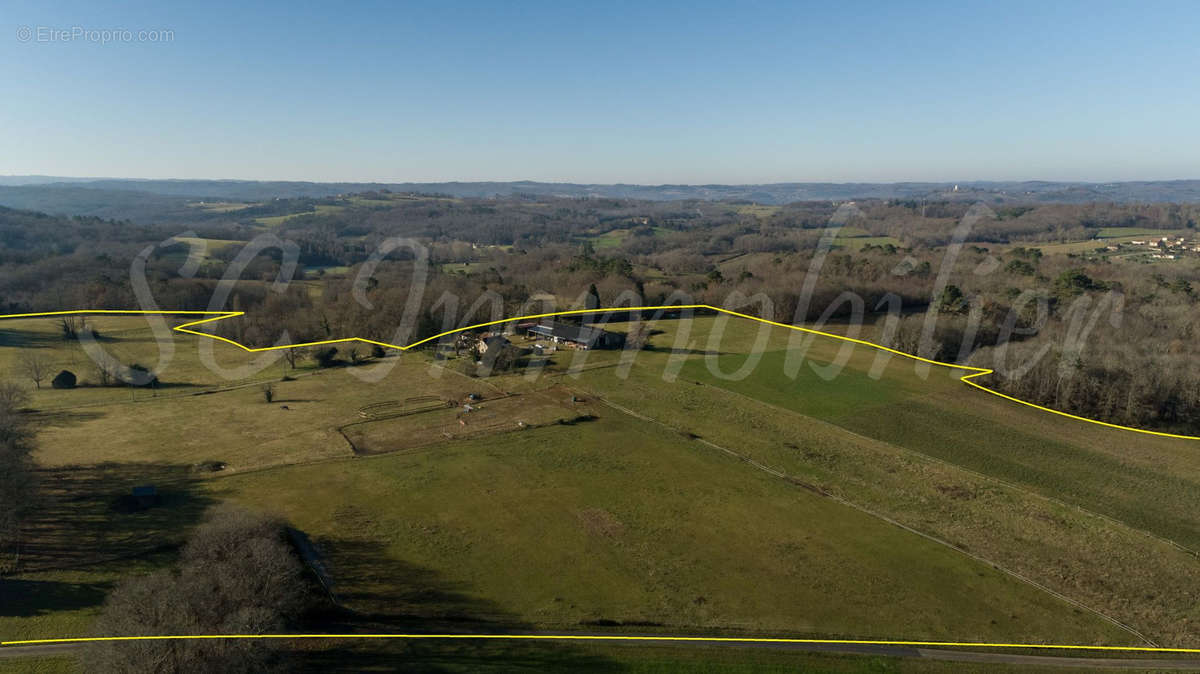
x: 64, y: 418
x: 379, y: 594
x: 684, y: 352
x: 29, y: 598
x: 85, y: 515
x: 466, y: 655
x: 29, y: 339
x: 371, y: 584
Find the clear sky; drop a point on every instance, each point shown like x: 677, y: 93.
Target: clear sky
x: 637, y: 92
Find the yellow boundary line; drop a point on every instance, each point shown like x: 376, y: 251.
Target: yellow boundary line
x: 615, y: 637
x: 966, y: 379
x: 222, y: 315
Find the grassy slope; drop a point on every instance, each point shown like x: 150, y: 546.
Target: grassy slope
x: 618, y: 657
x: 180, y: 364
x: 1145, y: 481
x: 903, y: 464
x: 939, y: 424
x: 1110, y: 232
x: 554, y: 657
x: 38, y: 665
x: 319, y: 209
x: 619, y: 519
x: 398, y: 503
x: 240, y: 429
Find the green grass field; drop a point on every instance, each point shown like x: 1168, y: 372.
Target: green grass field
x: 350, y: 656
x: 180, y: 361
x: 808, y: 393
x: 756, y: 210
x: 993, y: 478
x: 615, y: 237
x: 1088, y: 246
x: 220, y: 206
x: 459, y: 267
x: 610, y: 239
x: 319, y: 209
x: 637, y: 516
x: 854, y: 238
x: 211, y: 246
x: 638, y: 525
x: 645, y: 658
x: 53, y: 665
x: 1113, y: 232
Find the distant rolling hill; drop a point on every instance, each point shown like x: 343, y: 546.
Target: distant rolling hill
x: 142, y: 199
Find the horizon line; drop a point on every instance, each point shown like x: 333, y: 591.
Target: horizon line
x: 391, y: 181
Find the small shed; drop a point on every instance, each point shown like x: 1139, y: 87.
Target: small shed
x: 64, y: 379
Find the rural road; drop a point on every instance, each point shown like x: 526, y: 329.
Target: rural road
x: 976, y: 657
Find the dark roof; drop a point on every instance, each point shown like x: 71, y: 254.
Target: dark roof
x: 580, y: 334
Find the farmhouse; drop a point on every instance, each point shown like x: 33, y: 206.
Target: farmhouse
x: 578, y: 336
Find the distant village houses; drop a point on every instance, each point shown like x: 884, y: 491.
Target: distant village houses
x: 1159, y: 248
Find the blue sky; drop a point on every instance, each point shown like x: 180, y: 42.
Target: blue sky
x: 607, y: 91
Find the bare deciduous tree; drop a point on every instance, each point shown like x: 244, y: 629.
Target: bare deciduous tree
x: 34, y: 366
x: 291, y: 356
x: 107, y: 369
x: 73, y: 326
x: 12, y: 399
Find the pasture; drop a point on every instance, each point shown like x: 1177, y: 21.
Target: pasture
x: 613, y: 238
x: 1113, y: 232
x: 220, y: 206
x: 756, y: 210
x: 620, y: 520
x: 1092, y: 512
x: 184, y: 365
x: 319, y: 209
x: 683, y: 489
x: 205, y: 248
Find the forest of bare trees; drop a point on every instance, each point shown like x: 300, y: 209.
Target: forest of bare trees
x: 488, y: 258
